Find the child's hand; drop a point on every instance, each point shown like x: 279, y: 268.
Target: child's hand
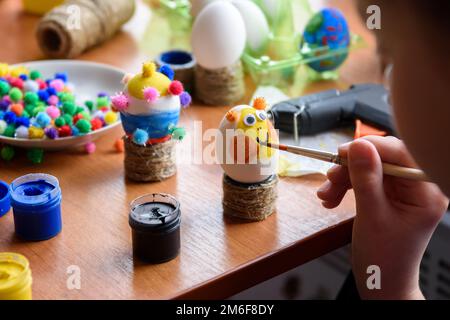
x: 395, y: 217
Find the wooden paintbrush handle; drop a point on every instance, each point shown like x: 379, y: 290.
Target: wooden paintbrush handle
x: 396, y: 171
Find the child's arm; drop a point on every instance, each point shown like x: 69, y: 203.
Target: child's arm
x: 395, y: 217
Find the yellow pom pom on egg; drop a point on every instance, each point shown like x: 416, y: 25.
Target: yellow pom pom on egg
x: 148, y: 78
x: 110, y: 117
x: 35, y: 133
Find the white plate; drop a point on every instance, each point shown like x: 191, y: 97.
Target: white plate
x: 89, y: 79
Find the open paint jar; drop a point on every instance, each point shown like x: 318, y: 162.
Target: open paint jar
x: 15, y: 277
x: 36, y: 203
x: 155, y: 221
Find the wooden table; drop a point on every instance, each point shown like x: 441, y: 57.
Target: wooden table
x: 218, y: 257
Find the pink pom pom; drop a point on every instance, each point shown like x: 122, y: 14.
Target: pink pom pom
x: 53, y: 112
x: 176, y: 88
x: 120, y: 101
x: 151, y: 94
x: 57, y: 84
x: 53, y: 100
x: 90, y: 147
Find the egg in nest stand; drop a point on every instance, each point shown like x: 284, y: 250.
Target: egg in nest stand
x: 250, y: 180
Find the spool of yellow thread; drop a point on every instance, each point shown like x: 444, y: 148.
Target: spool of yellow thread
x: 40, y: 6
x: 15, y: 277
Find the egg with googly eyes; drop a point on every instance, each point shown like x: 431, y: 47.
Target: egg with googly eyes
x: 242, y: 158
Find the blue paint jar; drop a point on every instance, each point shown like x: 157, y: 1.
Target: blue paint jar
x: 4, y: 198
x: 36, y: 203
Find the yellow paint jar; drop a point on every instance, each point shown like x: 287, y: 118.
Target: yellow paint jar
x: 15, y: 277
x: 41, y: 6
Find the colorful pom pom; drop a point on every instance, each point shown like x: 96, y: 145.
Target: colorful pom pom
x: 4, y: 88
x: 90, y: 147
x: 51, y: 133
x: 10, y: 117
x: 3, y: 126
x: 4, y: 104
x: 119, y: 145
x: 7, y: 153
x: 17, y: 108
x: 68, y: 119
x: 34, y: 74
x: 22, y: 132
x: 83, y: 125
x: 96, y: 124
x: 31, y: 98
x: 102, y: 102
x: 53, y: 100
x: 35, y: 155
x: 151, y: 94
x: 120, y: 102
x: 22, y: 121
x: 52, y: 91
x: 35, y: 132
x: 53, y: 112
x: 75, y: 131
x: 178, y: 134
x: 17, y: 83
x: 176, y: 88
x: 31, y: 86
x: 185, y: 99
x: 110, y: 117
x: 167, y: 71
x: 15, y: 94
x: 62, y: 76
x: 43, y: 119
x: 89, y: 104
x: 140, y: 137
x: 69, y: 108
x: 57, y: 84
x: 10, y: 131
x: 65, y: 131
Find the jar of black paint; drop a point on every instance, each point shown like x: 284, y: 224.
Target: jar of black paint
x: 155, y: 221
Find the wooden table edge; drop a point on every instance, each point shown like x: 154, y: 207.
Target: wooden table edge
x: 271, y: 264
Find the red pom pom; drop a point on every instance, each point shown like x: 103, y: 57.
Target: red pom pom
x: 96, y: 124
x: 76, y: 118
x: 41, y: 83
x: 104, y: 109
x: 16, y: 82
x: 176, y: 88
x: 65, y: 131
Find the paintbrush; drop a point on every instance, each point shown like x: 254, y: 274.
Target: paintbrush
x: 388, y: 169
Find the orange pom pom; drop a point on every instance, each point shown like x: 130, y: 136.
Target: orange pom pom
x: 260, y: 104
x: 17, y: 109
x: 119, y: 145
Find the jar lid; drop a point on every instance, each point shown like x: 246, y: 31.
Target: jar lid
x: 155, y: 211
x: 34, y: 189
x: 5, y: 203
x: 14, y: 272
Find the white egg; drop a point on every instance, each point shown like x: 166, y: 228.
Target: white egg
x: 218, y: 36
x: 256, y: 26
x: 246, y: 165
x: 198, y: 5
x: 163, y: 104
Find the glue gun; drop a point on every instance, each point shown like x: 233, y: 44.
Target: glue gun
x: 331, y: 109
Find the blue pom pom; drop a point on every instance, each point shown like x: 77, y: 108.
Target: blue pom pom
x: 43, y: 95
x: 185, y: 99
x: 2, y: 113
x: 24, y: 77
x: 167, y: 71
x: 75, y: 131
x: 62, y: 76
x: 4, y: 104
x: 10, y: 117
x: 43, y: 119
x: 52, y: 91
x: 22, y: 121
x: 140, y: 137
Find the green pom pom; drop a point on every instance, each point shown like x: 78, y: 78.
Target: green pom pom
x: 79, y: 110
x: 89, y: 104
x: 10, y: 131
x: 25, y: 114
x: 102, y: 102
x: 67, y: 97
x: 31, y: 98
x: 15, y: 94
x: 86, y: 115
x: 83, y: 125
x: 7, y: 153
x: 178, y: 133
x: 35, y: 75
x: 4, y: 88
x: 68, y: 119
x: 35, y: 155
x: 69, y: 108
x: 59, y: 122
x: 37, y: 110
x: 29, y: 108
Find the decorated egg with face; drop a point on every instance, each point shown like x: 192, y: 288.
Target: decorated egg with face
x: 242, y: 158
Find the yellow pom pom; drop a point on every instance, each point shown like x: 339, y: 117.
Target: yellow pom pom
x: 148, y: 70
x: 4, y: 69
x: 35, y: 133
x: 110, y: 117
x: 17, y: 71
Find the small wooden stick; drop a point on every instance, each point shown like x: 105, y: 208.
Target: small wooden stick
x: 388, y: 169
